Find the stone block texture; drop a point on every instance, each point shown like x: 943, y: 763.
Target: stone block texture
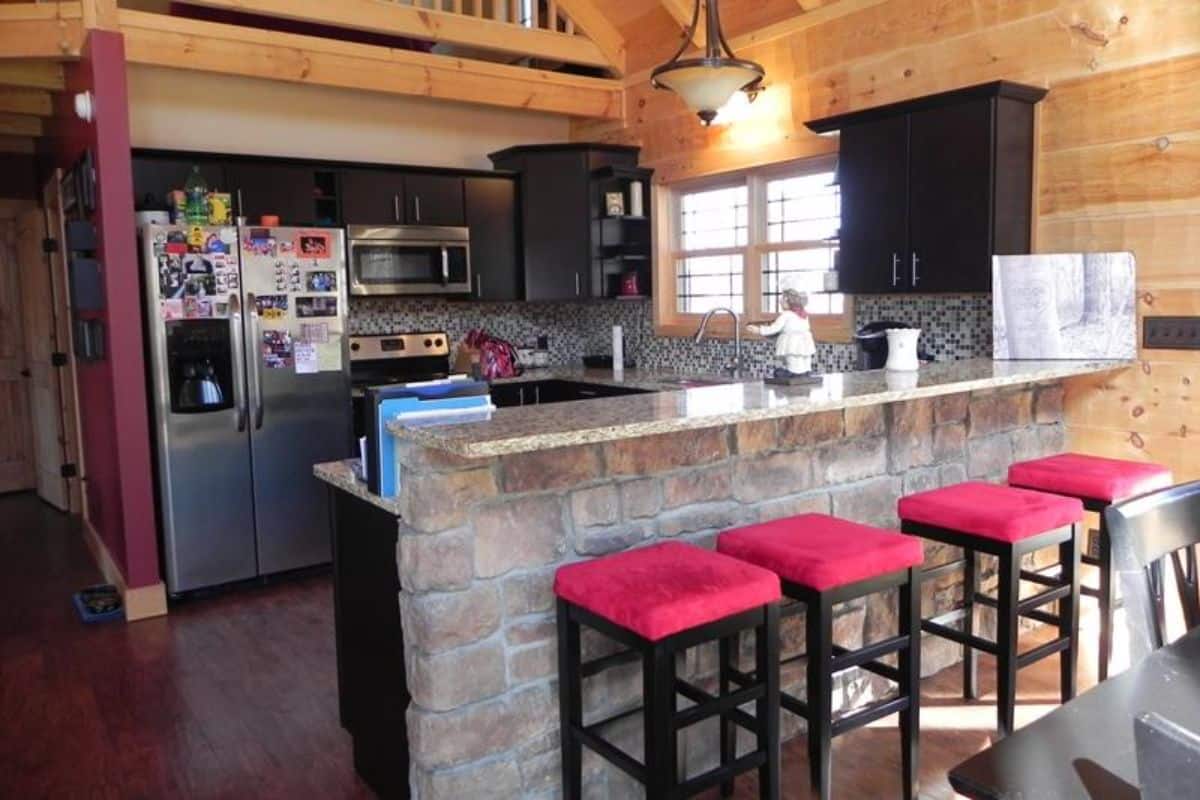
x: 480, y: 542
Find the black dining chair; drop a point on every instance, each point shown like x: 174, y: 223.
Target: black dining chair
x: 1144, y: 531
x: 1168, y: 757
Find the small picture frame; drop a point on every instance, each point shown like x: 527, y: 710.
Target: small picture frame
x: 614, y: 204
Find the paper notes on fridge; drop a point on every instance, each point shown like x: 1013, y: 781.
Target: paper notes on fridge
x: 306, y: 358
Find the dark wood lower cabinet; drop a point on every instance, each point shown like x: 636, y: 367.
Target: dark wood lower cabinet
x: 372, y: 688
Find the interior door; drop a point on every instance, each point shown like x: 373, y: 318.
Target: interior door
x: 41, y: 343
x: 16, y: 445
x: 873, y: 176
x: 67, y: 390
x: 298, y: 374
x: 950, y: 195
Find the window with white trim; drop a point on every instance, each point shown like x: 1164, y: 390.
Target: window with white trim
x: 741, y: 240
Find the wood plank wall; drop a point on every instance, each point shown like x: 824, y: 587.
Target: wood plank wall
x: 1118, y: 168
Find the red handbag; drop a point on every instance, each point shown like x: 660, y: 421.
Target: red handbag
x: 497, y: 358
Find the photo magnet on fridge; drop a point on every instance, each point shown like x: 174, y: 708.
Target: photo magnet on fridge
x: 314, y: 244
x: 323, y: 281
x: 277, y: 352
x: 259, y: 242
x: 316, y: 306
x: 271, y: 306
x: 195, y: 264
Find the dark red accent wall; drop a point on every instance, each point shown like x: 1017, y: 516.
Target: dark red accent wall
x: 112, y: 392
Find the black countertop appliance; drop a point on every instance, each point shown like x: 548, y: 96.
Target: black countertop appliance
x: 873, y: 344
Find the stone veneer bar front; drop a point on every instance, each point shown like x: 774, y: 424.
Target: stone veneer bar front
x: 446, y: 632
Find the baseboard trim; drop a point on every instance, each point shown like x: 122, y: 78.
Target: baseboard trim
x: 142, y: 602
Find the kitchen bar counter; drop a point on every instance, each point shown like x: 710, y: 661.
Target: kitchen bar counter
x: 671, y: 407
x: 443, y: 595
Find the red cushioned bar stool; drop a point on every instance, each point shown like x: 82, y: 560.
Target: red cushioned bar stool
x: 823, y: 561
x: 1098, y: 483
x: 658, y: 601
x: 1007, y: 523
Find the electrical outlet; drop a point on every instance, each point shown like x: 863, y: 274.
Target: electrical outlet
x: 1171, y: 333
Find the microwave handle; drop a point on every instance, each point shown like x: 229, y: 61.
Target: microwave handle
x: 445, y: 265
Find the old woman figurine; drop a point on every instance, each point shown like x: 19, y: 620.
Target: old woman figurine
x: 794, y: 343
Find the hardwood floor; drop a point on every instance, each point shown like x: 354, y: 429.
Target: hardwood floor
x: 234, y: 696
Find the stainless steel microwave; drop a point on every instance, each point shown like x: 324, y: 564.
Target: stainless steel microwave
x: 408, y: 259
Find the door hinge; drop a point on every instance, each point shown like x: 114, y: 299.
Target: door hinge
x: 58, y: 359
x: 49, y: 245
x: 69, y: 471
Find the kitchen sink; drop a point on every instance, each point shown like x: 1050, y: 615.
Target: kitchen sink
x: 697, y: 383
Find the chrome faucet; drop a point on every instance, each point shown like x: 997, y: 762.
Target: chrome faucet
x: 736, y: 366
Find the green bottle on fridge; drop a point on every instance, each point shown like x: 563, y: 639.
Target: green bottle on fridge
x: 196, y: 193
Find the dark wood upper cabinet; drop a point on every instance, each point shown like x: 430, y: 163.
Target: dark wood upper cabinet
x: 558, y: 212
x: 286, y: 191
x: 491, y: 215
x: 372, y: 197
x: 934, y: 187
x: 433, y: 200
x: 873, y: 176
x: 153, y: 178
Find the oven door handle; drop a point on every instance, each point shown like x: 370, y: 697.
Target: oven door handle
x: 445, y: 265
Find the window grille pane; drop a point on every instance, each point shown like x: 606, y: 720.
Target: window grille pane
x: 803, y: 208
x: 708, y: 282
x: 715, y: 218
x: 803, y: 270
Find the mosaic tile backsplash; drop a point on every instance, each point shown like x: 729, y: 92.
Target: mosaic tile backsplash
x: 954, y: 327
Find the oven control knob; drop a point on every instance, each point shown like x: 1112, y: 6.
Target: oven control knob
x: 429, y: 342
x: 355, y: 346
x: 438, y: 342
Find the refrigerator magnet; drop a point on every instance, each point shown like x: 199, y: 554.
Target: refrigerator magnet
x: 195, y: 264
x: 306, y: 358
x: 171, y: 309
x: 314, y: 244
x: 277, y: 352
x: 285, y: 247
x: 259, y: 242
x: 316, y: 307
x: 271, y: 306
x: 322, y: 281
x: 314, y: 332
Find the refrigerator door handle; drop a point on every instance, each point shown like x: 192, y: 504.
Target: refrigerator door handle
x: 256, y: 338
x: 239, y: 361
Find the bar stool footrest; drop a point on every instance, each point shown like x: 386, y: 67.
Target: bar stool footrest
x: 868, y: 714
x: 1043, y: 651
x: 700, y: 697
x: 713, y: 777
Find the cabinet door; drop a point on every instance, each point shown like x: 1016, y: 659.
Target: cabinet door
x: 491, y: 205
x: 873, y: 175
x: 950, y: 197
x: 156, y: 176
x: 555, y: 226
x: 433, y: 200
x: 372, y: 197
x: 283, y: 190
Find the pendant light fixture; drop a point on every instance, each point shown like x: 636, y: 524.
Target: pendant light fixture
x: 707, y: 82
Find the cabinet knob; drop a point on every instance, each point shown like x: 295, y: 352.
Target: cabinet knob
x: 895, y: 269
x: 915, y: 276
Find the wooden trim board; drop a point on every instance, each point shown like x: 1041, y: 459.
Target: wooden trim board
x: 142, y: 602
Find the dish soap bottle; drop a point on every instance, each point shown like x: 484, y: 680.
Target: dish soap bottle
x: 196, y: 192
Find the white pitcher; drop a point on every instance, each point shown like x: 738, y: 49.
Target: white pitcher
x: 902, y: 349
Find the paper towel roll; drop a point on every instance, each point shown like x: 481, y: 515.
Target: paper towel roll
x: 618, y: 350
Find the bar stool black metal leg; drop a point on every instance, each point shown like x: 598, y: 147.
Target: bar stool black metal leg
x: 1107, y: 597
x: 970, y: 657
x: 658, y: 686
x: 1068, y: 612
x: 819, y: 631
x: 570, y: 698
x: 727, y: 652
x: 910, y: 682
x: 766, y: 651
x: 1006, y: 640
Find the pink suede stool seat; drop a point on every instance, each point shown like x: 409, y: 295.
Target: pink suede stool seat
x: 1092, y: 477
x: 1003, y: 513
x: 822, y: 552
x: 663, y: 589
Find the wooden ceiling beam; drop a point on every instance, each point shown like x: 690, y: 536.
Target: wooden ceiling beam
x: 26, y: 101
x: 33, y: 75
x: 421, y: 23
x: 182, y: 43
x: 20, y: 125
x: 40, y: 30
x: 588, y: 17
x: 801, y: 22
x: 682, y: 11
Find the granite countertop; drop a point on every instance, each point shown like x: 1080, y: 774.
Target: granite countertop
x: 672, y: 408
x: 341, y: 474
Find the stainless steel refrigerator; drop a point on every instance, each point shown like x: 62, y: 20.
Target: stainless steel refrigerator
x: 250, y: 383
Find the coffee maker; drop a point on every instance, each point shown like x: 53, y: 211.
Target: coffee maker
x: 873, y: 344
